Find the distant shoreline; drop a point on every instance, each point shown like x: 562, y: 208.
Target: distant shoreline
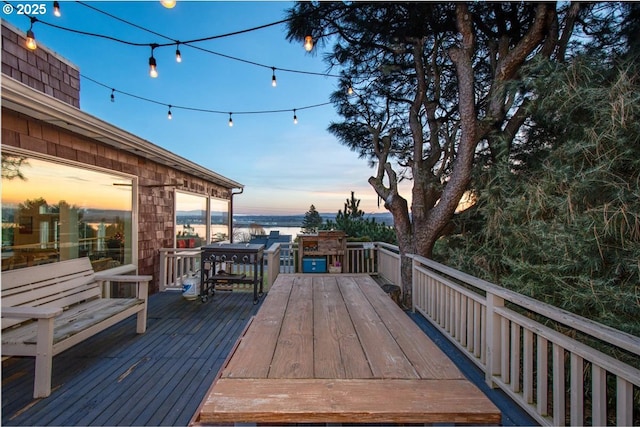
x: 274, y: 220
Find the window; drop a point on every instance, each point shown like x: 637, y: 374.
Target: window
x: 191, y: 220
x: 219, y: 220
x: 192, y: 224
x: 53, y: 212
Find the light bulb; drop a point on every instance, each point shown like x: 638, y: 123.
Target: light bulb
x: 31, y: 41
x: 113, y: 97
x: 56, y: 9
x: 308, y: 43
x: 350, y: 90
x: 169, y: 4
x: 230, y: 121
x: 153, y: 69
x: 178, y: 56
x: 273, y: 79
x: 169, y: 115
x: 295, y: 118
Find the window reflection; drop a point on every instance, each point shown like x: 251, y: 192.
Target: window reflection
x: 192, y: 225
x: 191, y: 220
x: 53, y: 212
x: 219, y: 220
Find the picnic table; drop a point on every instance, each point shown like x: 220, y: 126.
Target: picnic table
x: 335, y: 348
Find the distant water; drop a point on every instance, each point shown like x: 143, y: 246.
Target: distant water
x: 243, y: 233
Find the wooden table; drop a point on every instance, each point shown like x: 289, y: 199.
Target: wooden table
x: 335, y: 348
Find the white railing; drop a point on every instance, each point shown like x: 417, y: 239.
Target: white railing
x: 389, y: 262
x: 177, y: 265
x: 543, y: 370
x: 272, y: 264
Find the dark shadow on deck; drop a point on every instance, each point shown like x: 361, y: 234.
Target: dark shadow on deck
x: 120, y: 378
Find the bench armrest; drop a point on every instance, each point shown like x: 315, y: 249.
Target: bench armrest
x: 31, y: 312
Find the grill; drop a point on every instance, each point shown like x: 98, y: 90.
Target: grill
x: 224, y: 264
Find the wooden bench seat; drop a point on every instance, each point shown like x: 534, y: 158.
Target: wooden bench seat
x: 49, y: 308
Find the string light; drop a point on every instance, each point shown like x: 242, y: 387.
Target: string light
x: 113, y: 96
x: 350, y: 90
x: 169, y: 115
x: 202, y: 110
x: 169, y: 4
x: 174, y: 42
x: 56, y: 9
x: 153, y: 68
x: 230, y: 120
x: 178, y: 54
x: 295, y: 118
x: 308, y: 43
x: 273, y: 77
x: 31, y: 38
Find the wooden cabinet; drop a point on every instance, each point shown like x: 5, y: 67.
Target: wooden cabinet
x: 330, y: 246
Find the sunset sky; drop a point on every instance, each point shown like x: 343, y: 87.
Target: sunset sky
x: 285, y: 167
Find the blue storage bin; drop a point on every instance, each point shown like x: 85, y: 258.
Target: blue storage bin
x: 314, y: 265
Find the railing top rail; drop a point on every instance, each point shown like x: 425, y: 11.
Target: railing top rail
x: 274, y: 247
x: 602, y: 332
x: 181, y: 251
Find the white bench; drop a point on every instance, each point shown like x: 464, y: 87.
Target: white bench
x: 49, y: 308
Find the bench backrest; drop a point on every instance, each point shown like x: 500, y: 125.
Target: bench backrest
x: 60, y: 284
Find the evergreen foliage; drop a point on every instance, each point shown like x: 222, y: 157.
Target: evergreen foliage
x: 311, y: 221
x: 561, y: 221
x: 357, y: 227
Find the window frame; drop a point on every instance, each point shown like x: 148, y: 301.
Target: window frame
x: 93, y: 168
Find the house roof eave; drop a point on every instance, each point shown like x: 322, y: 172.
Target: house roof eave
x: 23, y: 99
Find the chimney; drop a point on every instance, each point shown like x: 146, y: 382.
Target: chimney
x: 42, y: 69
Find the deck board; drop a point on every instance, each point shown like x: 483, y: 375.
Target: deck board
x: 310, y: 379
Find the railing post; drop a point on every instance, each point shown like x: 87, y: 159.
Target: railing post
x: 273, y: 264
x: 493, y: 338
x: 163, y: 271
x: 413, y: 283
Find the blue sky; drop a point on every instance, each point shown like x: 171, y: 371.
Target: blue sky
x: 285, y: 167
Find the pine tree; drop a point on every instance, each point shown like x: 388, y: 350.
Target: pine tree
x: 311, y: 221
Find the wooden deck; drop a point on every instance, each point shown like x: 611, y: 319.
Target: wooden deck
x: 120, y: 378
x: 335, y: 348
x: 159, y: 378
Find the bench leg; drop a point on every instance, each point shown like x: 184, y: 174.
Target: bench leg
x: 143, y: 292
x: 44, y: 359
x: 141, y: 325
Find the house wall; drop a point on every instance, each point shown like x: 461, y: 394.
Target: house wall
x: 47, y: 72
x: 156, y: 204
x: 42, y: 69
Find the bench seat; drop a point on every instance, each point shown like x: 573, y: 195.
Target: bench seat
x: 73, y: 321
x: 49, y: 308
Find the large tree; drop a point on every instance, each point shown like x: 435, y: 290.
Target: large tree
x: 561, y: 221
x: 430, y: 90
